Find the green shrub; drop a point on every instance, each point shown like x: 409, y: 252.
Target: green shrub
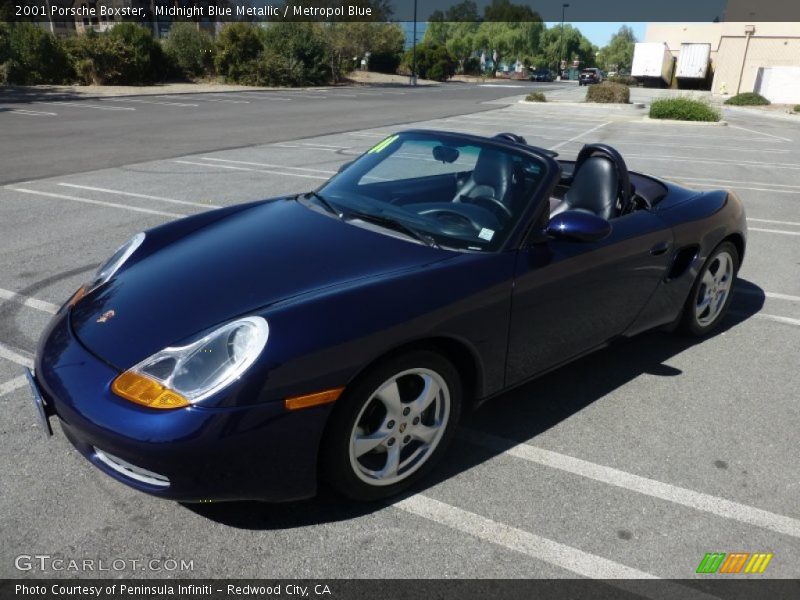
x: 608, y: 93
x: 797, y: 108
x: 624, y: 80
x: 238, y: 49
x: 747, y: 99
x: 96, y: 58
x: 384, y: 62
x: 536, y: 97
x: 143, y: 59
x: 189, y: 50
x: 33, y: 56
x: 433, y: 62
x: 683, y: 109
x: 301, y: 50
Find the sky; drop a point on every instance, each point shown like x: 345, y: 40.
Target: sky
x: 600, y: 32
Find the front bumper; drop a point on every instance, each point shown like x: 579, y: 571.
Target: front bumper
x: 260, y: 452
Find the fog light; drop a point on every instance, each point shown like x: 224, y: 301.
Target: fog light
x: 147, y: 392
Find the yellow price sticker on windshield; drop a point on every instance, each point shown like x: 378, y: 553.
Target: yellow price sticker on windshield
x: 380, y: 146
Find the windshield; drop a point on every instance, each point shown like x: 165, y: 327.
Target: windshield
x: 436, y: 189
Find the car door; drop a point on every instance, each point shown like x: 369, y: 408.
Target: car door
x: 571, y: 297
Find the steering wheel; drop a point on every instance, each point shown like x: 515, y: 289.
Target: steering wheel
x: 464, y: 219
x: 493, y: 202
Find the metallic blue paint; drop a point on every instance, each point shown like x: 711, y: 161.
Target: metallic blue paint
x: 337, y: 298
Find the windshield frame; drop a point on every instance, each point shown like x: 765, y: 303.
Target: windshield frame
x: 551, y: 172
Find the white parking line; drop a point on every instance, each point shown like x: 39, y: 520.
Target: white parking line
x: 738, y: 187
x: 767, y: 317
x: 790, y: 223
x: 541, y: 548
x: 42, y: 305
x: 13, y: 384
x: 179, y: 104
x: 222, y: 100
x: 31, y: 113
x: 772, y: 295
x: 81, y: 105
x: 735, y: 182
x: 134, y: 195
x: 779, y: 231
x: 635, y: 483
x: 580, y: 135
x: 719, y: 161
x: 14, y: 356
x: 255, y: 164
x: 777, y: 137
x: 96, y: 202
x: 199, y: 164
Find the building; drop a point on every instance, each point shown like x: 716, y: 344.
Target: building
x: 746, y: 56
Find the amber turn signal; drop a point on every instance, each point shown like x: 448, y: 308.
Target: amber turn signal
x: 76, y: 297
x: 147, y: 392
x: 315, y: 399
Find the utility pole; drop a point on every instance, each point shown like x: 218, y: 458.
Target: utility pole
x: 561, y: 41
x: 414, y: 48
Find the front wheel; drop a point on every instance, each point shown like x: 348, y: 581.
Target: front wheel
x: 712, y: 291
x: 392, y: 427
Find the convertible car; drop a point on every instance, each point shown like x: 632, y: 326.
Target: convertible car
x: 252, y: 351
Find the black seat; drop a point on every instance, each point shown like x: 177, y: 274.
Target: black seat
x: 493, y: 177
x: 595, y: 188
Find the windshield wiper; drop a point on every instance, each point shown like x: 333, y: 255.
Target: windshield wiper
x: 326, y: 204
x: 393, y: 224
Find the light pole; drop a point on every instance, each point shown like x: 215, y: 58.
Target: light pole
x: 414, y: 48
x: 564, y: 8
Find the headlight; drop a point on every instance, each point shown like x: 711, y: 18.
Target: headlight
x: 182, y: 376
x: 109, y: 268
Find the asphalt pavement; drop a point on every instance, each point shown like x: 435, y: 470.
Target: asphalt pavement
x: 633, y: 462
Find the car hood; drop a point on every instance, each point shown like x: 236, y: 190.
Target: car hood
x: 244, y: 262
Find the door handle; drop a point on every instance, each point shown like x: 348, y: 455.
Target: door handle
x: 659, y: 248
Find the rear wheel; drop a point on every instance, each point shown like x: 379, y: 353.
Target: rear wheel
x: 712, y: 291
x: 392, y: 427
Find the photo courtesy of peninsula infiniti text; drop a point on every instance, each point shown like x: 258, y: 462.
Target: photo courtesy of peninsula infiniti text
x: 336, y: 336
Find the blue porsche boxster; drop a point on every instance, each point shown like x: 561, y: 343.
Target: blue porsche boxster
x: 250, y: 351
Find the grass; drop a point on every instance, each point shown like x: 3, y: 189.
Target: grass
x: 683, y: 109
x: 536, y: 97
x: 608, y: 93
x: 747, y: 99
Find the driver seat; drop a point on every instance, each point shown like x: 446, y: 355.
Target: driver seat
x: 595, y: 188
x: 492, y: 177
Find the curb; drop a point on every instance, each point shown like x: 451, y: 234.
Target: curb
x: 632, y: 105
x: 647, y: 119
x: 768, y: 114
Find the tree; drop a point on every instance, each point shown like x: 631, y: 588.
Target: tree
x: 506, y: 12
x: 346, y: 41
x: 239, y: 45
x: 509, y: 41
x: 189, y: 49
x: 575, y: 47
x: 297, y: 53
x: 433, y: 62
x: 618, y: 54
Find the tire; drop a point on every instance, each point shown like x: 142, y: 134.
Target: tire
x: 712, y: 292
x: 381, y: 437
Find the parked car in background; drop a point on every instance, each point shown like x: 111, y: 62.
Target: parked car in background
x: 542, y: 75
x: 591, y: 75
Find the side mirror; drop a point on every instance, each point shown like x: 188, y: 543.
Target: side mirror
x: 578, y: 226
x: 345, y: 165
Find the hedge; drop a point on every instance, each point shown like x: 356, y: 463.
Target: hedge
x: 190, y: 50
x: 683, y: 109
x: 608, y: 93
x: 624, y: 80
x: 747, y: 99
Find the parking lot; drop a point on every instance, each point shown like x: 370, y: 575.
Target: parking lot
x: 633, y: 462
